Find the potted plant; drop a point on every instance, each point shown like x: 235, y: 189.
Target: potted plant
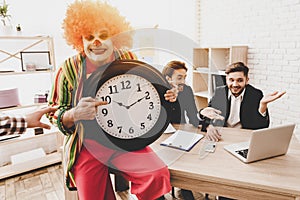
x: 5, y: 17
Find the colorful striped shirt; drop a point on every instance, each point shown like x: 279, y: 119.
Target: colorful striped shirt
x: 12, y: 125
x: 66, y: 92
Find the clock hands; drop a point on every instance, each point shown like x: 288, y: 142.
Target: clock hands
x: 120, y: 104
x: 127, y: 107
x: 135, y: 102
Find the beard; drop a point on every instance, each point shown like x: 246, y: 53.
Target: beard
x: 236, y: 91
x: 180, y: 87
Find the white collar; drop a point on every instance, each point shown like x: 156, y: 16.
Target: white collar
x: 240, y: 96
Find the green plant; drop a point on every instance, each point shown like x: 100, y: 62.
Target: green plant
x: 3, y: 13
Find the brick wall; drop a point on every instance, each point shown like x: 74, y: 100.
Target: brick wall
x: 271, y: 30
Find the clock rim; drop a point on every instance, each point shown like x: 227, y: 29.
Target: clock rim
x: 160, y: 83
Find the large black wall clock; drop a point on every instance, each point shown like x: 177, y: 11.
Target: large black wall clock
x: 136, y: 113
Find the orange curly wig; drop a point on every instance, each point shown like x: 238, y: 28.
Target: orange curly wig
x: 86, y: 17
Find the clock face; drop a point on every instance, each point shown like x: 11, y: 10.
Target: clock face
x: 133, y: 108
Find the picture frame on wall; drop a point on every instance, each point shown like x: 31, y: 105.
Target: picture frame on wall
x: 35, y: 60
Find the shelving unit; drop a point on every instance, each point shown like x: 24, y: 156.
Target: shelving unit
x: 209, y: 64
x: 51, y: 140
x: 23, y: 44
x: 12, y: 65
x: 48, y: 141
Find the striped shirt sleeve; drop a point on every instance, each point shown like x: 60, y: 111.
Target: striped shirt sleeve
x: 12, y: 125
x: 61, y: 94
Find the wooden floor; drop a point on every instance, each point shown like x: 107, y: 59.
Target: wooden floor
x: 47, y: 184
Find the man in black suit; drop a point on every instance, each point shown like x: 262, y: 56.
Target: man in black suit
x: 241, y: 104
x: 175, y: 73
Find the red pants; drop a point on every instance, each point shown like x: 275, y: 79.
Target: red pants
x: 149, y: 176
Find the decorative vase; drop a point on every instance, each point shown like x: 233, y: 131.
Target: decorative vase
x: 6, y: 27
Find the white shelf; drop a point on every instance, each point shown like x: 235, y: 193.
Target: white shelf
x: 28, y: 37
x: 204, y: 94
x: 210, y: 61
x: 23, y: 106
x: 24, y: 43
x: 49, y: 141
x: 11, y: 170
x: 24, y: 73
x: 203, y: 70
x: 219, y: 72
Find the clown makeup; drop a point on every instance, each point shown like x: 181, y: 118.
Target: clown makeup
x: 98, y: 47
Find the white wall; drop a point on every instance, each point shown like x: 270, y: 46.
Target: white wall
x: 45, y: 17
x: 271, y: 29
x: 41, y: 17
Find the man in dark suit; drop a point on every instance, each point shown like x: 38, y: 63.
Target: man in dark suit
x: 175, y: 73
x: 241, y: 104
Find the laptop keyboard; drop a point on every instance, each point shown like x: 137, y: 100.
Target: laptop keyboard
x: 243, y: 153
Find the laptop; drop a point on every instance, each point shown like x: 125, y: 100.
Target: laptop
x: 264, y: 143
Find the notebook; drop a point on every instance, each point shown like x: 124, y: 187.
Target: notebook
x: 264, y: 143
x: 182, y: 140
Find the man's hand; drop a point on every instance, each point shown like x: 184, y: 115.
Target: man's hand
x: 33, y: 119
x: 171, y: 95
x: 86, y: 109
x: 269, y: 98
x: 212, y: 113
x: 213, y: 133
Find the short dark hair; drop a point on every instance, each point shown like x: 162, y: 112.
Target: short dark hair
x: 172, y: 66
x: 237, y: 67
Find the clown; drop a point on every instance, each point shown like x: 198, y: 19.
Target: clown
x: 98, y: 32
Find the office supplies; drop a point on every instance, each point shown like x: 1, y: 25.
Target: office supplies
x: 210, y: 146
x: 207, y: 147
x: 182, y: 140
x: 264, y: 143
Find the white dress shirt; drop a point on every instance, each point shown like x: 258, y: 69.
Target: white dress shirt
x: 234, y: 120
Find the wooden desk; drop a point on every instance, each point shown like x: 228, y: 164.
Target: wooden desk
x: 222, y: 174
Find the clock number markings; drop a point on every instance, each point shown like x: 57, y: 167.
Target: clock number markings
x: 113, y: 89
x: 151, y: 105
x: 104, y: 111
x: 125, y: 86
x: 109, y: 123
x: 106, y: 98
x: 120, y: 125
x: 149, y: 117
x: 147, y: 95
x: 139, y: 87
x: 143, y: 125
x: 120, y: 129
x: 131, y: 130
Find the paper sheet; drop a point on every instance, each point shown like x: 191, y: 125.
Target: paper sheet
x: 183, y: 140
x: 170, y: 129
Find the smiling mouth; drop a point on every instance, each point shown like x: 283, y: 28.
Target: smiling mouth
x: 98, y: 51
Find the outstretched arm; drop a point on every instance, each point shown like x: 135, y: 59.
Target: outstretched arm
x: 211, y: 113
x: 33, y: 119
x: 267, y: 99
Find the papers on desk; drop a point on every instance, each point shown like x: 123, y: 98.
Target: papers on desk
x: 170, y: 129
x: 182, y: 140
